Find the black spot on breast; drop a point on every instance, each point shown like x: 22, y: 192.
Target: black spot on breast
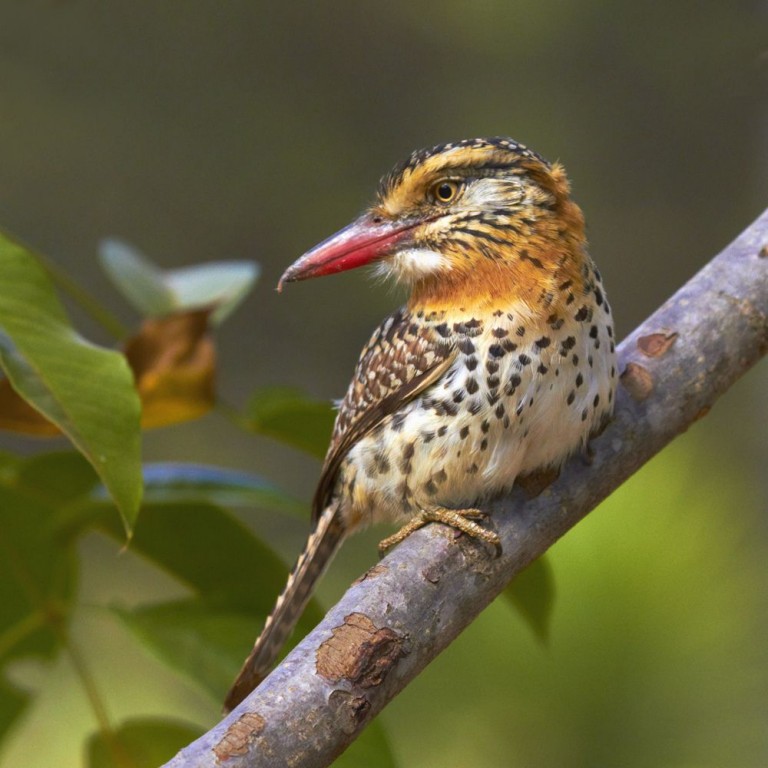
x: 500, y: 333
x: 451, y: 409
x: 397, y: 421
x: 463, y: 432
x: 484, y: 445
x: 542, y: 369
x: 543, y: 342
x: 571, y: 397
x: 428, y: 437
x: 466, y: 346
x: 509, y: 345
x: 568, y: 344
x: 593, y: 332
x: 491, y: 366
x: 575, y: 360
x: 443, y: 330
x: 430, y: 488
x: 579, y: 380
x: 485, y: 426
x: 512, y: 384
x: 471, y: 363
x: 499, y: 410
x: 475, y: 407
x: 584, y: 414
x: 581, y: 315
x: 496, y: 350
x: 441, y: 432
x: 382, y: 462
x: 524, y: 359
x: 458, y: 396
x: 492, y: 382
x: 596, y: 401
x: 472, y: 385
x: 520, y: 331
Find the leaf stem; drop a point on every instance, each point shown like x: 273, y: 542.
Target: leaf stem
x: 121, y: 758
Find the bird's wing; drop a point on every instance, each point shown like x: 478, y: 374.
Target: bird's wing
x: 399, y: 362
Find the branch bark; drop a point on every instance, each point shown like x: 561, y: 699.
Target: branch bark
x: 406, y: 609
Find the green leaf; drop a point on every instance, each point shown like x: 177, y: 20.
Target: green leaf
x: 206, y: 644
x: 86, y: 391
x: 210, y: 551
x: 156, y: 292
x: 37, y: 577
x: 370, y: 749
x: 12, y: 703
x: 532, y: 593
x: 140, y: 743
x: 290, y: 416
x: 58, y: 477
x: 236, y: 579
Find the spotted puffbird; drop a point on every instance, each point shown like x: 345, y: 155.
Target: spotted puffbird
x: 500, y: 364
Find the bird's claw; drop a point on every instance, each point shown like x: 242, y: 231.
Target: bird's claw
x: 459, y: 519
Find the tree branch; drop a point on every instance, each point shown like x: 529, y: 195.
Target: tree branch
x: 394, y: 620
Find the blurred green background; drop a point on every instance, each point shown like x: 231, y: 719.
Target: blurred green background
x: 204, y: 130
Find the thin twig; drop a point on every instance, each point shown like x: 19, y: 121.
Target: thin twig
x: 409, y: 607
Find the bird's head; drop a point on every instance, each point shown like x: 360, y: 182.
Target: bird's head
x: 466, y: 223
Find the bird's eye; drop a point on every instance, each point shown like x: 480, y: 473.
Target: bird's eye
x: 445, y: 191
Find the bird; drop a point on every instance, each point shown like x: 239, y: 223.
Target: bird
x: 501, y: 363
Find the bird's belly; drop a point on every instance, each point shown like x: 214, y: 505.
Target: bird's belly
x: 470, y: 436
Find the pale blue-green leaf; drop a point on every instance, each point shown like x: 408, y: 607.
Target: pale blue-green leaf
x: 156, y: 292
x: 169, y: 483
x: 137, y: 278
x: 86, y: 391
x: 222, y: 284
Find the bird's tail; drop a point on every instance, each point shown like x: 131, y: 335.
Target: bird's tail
x: 321, y: 546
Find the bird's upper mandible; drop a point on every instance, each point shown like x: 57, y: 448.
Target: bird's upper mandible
x: 463, y: 222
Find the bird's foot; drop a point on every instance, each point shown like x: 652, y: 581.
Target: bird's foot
x: 461, y: 519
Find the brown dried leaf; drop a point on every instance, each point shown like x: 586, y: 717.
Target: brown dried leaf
x: 174, y: 362
x: 17, y: 415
